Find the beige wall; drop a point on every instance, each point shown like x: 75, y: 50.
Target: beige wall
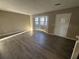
x: 13, y: 22
x: 73, y: 29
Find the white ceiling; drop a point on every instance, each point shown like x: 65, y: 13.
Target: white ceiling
x: 31, y: 7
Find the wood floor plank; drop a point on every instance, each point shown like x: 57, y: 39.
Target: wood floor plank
x: 36, y: 45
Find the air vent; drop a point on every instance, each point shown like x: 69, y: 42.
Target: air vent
x: 58, y: 4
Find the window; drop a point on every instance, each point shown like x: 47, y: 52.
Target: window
x: 36, y: 19
x: 44, y: 20
x: 41, y: 22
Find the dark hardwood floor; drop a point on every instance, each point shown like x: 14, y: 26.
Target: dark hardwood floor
x: 36, y: 45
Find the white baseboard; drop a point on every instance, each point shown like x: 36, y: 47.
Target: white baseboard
x: 12, y: 36
x: 58, y: 35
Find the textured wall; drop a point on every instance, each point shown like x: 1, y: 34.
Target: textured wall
x: 13, y: 22
x: 73, y: 28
